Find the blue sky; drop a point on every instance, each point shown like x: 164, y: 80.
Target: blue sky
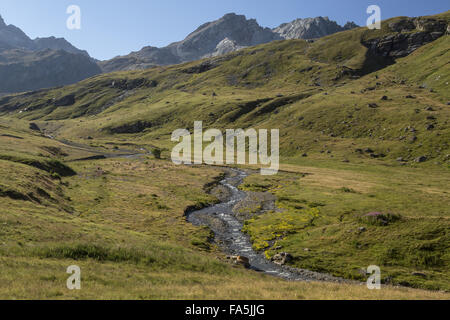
x: 111, y: 28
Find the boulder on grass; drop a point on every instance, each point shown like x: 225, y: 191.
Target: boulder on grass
x: 240, y: 260
x: 282, y: 258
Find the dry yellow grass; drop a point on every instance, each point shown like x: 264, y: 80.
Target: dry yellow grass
x: 25, y: 278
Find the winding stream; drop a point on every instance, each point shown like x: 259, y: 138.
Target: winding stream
x: 222, y: 221
x: 227, y: 229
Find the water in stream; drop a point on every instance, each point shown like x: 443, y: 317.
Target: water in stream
x: 227, y: 229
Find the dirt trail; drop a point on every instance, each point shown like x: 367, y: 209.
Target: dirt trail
x: 101, y: 154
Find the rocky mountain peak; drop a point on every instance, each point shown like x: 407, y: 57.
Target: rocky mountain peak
x: 12, y: 37
x: 27, y: 64
x: 232, y: 15
x: 311, y: 28
x: 56, y: 44
x: 350, y: 25
x: 237, y: 28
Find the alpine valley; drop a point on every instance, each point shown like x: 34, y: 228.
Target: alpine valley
x: 86, y: 176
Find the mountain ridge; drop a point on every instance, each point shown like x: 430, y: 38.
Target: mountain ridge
x: 311, y: 28
x: 31, y: 64
x: 12, y: 37
x: 229, y: 33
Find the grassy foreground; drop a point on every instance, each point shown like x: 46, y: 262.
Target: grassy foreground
x: 121, y: 221
x: 323, y: 220
x: 25, y: 278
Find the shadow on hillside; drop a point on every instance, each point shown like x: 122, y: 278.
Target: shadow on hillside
x: 374, y: 62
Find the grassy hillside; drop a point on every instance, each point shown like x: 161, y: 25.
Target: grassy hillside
x: 352, y: 127
x: 312, y: 89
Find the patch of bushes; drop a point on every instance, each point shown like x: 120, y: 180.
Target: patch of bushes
x: 88, y: 251
x: 157, y: 153
x: 295, y: 203
x: 256, y: 187
x: 316, y: 204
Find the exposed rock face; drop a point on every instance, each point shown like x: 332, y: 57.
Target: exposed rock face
x: 22, y: 70
x: 311, y: 28
x: 410, y: 34
x: 12, y: 37
x: 27, y: 64
x: 226, y: 46
x: 420, y: 24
